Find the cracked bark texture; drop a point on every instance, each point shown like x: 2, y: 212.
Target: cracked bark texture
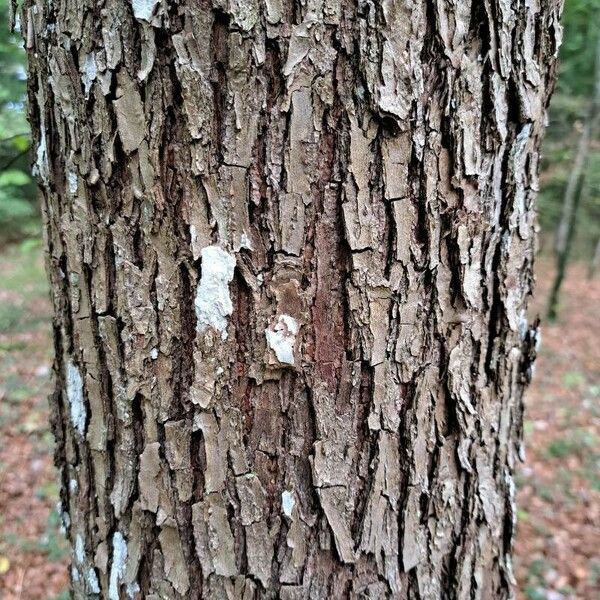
x: 290, y: 247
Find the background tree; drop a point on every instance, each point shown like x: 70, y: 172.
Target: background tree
x: 595, y: 260
x: 576, y: 187
x: 568, y: 113
x: 290, y: 249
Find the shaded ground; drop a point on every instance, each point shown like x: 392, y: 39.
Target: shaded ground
x: 558, y: 539
x: 558, y: 542
x: 33, y: 554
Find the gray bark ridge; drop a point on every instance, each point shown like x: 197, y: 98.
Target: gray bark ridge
x: 290, y: 247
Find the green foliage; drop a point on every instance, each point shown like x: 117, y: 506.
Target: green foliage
x: 578, y: 51
x: 579, y: 442
x: 52, y: 542
x: 18, y: 207
x: 573, y: 379
x: 535, y: 587
x: 14, y: 209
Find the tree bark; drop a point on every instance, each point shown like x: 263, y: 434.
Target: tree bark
x: 290, y: 248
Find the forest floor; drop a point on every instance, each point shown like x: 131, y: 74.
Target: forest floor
x: 558, y: 539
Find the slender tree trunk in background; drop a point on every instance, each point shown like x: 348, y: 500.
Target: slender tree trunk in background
x: 572, y: 200
x: 595, y: 261
x: 290, y: 248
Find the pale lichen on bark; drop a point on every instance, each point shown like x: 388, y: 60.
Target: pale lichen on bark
x: 77, y: 406
x: 281, y: 338
x: 213, y: 302
x: 290, y: 247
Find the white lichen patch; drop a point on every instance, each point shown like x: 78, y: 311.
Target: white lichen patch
x: 287, y: 503
x: 91, y: 580
x: 119, y: 563
x: 282, y: 338
x: 143, y: 9
x: 213, y: 302
x: 194, y: 239
x: 41, y: 168
x: 90, y: 72
x: 72, y: 182
x: 245, y: 242
x: 79, y: 549
x: 75, y: 397
x: 64, y: 515
x: 244, y: 13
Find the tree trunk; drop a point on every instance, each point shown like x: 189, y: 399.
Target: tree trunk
x: 595, y: 261
x: 290, y: 248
